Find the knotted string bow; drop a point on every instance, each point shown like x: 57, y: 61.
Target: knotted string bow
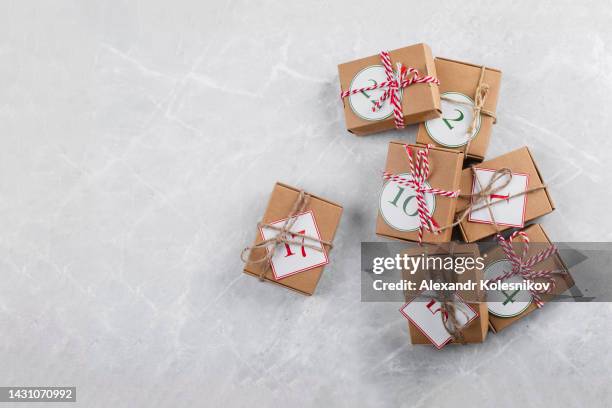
x: 420, y: 170
x: 484, y: 197
x: 396, y: 81
x: 523, y: 265
x: 480, y: 97
x: 482, y: 90
x: 450, y: 308
x: 284, y: 236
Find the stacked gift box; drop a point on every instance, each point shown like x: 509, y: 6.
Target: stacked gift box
x: 443, y: 183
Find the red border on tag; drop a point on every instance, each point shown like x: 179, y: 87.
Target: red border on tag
x: 439, y: 347
x: 314, y: 221
x: 501, y: 223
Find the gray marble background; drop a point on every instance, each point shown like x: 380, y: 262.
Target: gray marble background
x: 140, y: 142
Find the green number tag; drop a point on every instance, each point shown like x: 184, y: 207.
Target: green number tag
x: 367, y: 95
x: 457, y: 119
x: 509, y: 297
x: 406, y: 202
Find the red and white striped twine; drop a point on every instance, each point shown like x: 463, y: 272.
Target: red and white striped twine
x: 396, y: 81
x: 523, y: 266
x: 420, y: 173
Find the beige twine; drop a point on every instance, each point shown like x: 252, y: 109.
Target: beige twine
x: 480, y: 97
x: 284, y: 236
x: 482, y: 199
x: 449, y: 308
x: 451, y: 323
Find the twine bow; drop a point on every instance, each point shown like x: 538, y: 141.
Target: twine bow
x: 451, y: 308
x: 396, y: 81
x: 483, y: 198
x: 284, y: 236
x: 420, y: 171
x: 480, y: 97
x: 523, y: 265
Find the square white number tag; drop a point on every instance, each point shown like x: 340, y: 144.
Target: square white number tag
x: 510, y: 212
x: 427, y: 317
x: 289, y: 259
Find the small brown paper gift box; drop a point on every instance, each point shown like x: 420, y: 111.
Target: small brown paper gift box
x: 326, y: 217
x: 420, y: 101
x: 461, y: 82
x: 401, y: 221
x: 538, y: 241
x: 476, y: 330
x: 535, y: 203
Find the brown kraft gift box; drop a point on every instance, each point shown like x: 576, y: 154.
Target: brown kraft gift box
x: 459, y: 81
x: 420, y: 101
x: 538, y: 241
x: 445, y: 165
x: 327, y: 217
x: 536, y: 203
x: 476, y: 331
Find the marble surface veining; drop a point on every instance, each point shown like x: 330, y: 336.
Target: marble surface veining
x: 140, y: 142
